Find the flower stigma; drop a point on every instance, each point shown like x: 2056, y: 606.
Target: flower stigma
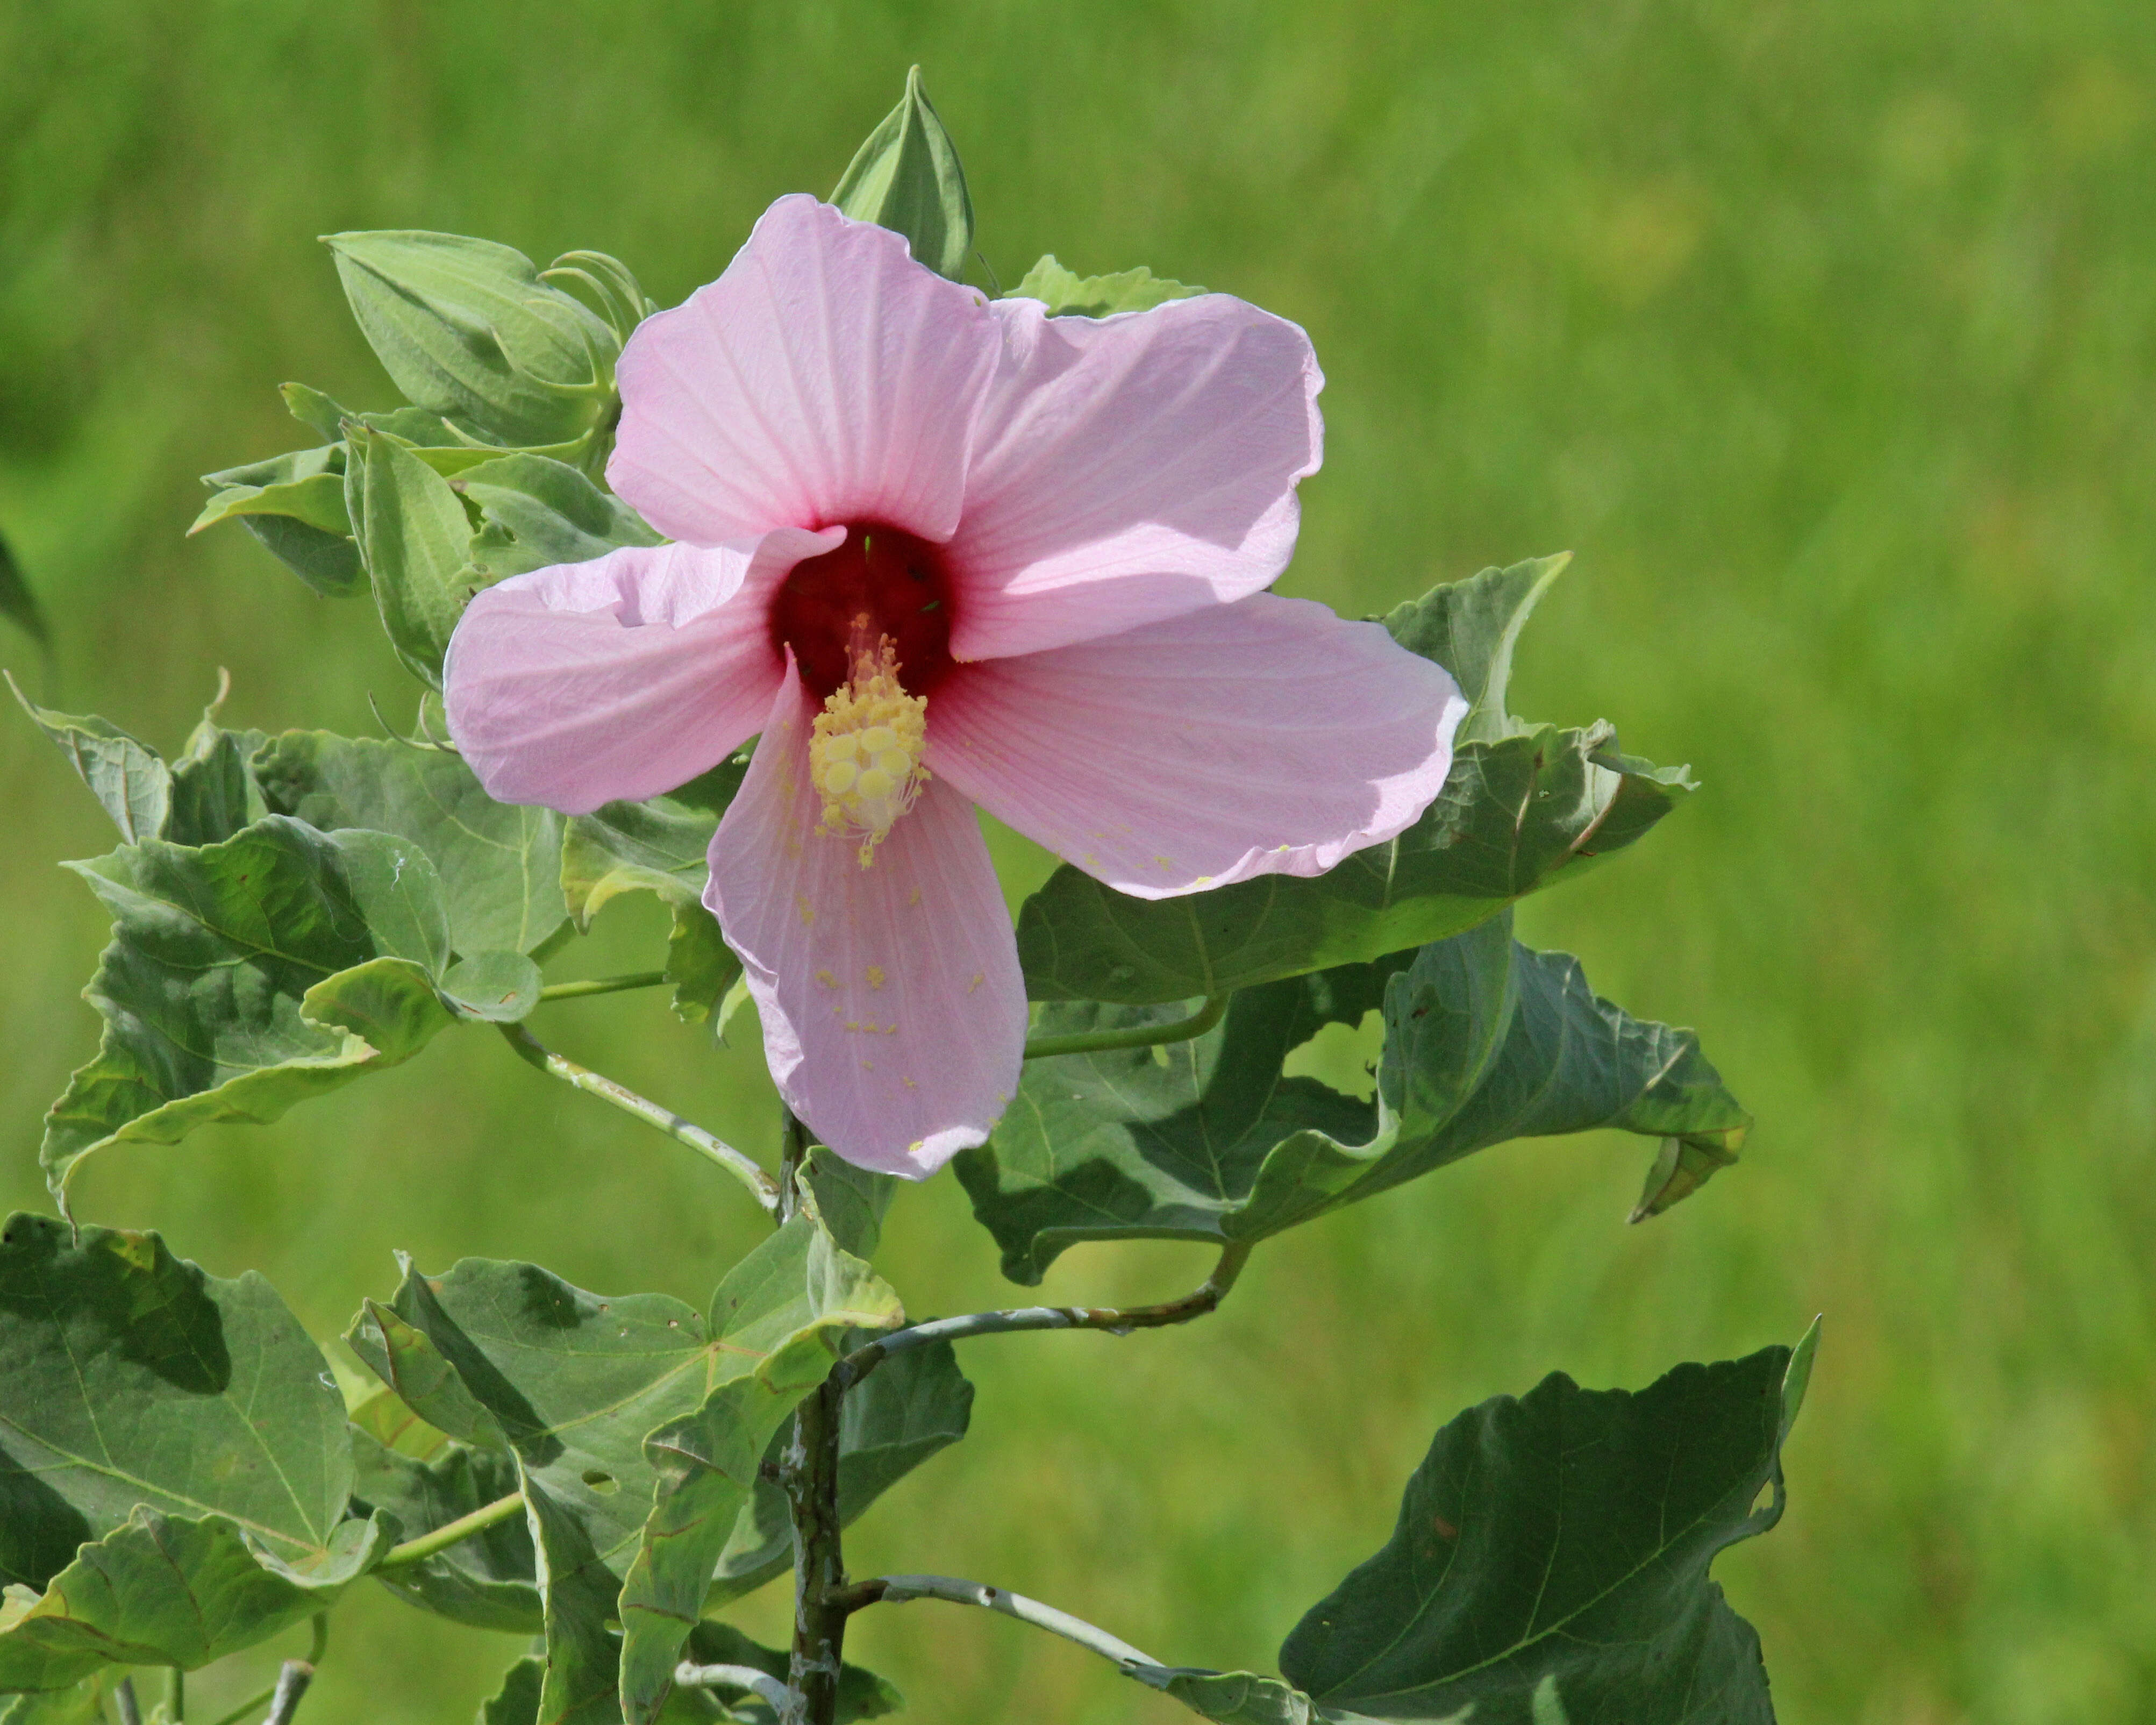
x: 865, y: 747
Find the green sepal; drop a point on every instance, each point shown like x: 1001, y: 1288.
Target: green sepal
x: 415, y: 538
x: 1524, y: 807
x: 467, y: 330
x: 538, y: 512
x: 1067, y: 294
x: 172, y: 1590
x: 245, y: 976
x: 1484, y: 1040
x: 906, y: 177
x: 496, y: 861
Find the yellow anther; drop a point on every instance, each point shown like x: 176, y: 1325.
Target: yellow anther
x: 864, y: 755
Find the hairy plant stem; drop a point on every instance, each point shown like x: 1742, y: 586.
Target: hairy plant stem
x: 897, y: 1589
x: 292, y: 1682
x: 1119, y: 1320
x: 810, y: 1472
x: 533, y: 1052
x: 603, y: 985
x: 1215, y: 1009
x: 450, y: 1533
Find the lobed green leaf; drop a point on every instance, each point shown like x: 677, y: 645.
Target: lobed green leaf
x: 1484, y: 1040
x: 1067, y: 294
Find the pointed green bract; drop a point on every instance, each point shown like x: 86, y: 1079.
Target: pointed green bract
x: 497, y: 863
x: 906, y: 177
x: 539, y: 512
x: 414, y: 536
x: 1524, y: 806
x: 245, y: 976
x: 1067, y: 294
x: 466, y: 329
x: 1484, y: 1040
x: 1551, y: 1562
x: 128, y: 777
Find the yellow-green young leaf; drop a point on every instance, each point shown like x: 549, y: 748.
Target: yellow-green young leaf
x: 500, y: 883
x: 1551, y: 1559
x: 906, y: 177
x: 245, y: 976
x: 416, y: 539
x: 467, y: 330
x: 1524, y: 807
x: 1485, y: 1041
x: 1067, y: 294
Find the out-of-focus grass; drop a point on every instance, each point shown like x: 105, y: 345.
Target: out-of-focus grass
x: 1822, y: 331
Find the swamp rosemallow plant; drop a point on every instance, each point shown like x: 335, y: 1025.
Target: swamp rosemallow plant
x: 748, y: 605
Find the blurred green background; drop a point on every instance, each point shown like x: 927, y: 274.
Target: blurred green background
x: 1823, y: 330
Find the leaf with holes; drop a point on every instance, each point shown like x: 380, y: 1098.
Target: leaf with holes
x: 1484, y: 1040
x: 246, y: 975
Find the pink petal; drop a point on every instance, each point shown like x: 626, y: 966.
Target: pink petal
x: 1265, y: 736
x: 1131, y: 468
x: 622, y: 677
x: 894, y: 1015
x: 825, y: 377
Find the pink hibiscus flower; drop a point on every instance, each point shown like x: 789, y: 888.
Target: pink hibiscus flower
x: 940, y: 551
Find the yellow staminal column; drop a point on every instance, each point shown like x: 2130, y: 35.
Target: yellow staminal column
x: 865, y: 755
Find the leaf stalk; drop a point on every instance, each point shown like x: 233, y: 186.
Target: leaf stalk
x: 1214, y: 1009
x: 450, y: 1533
x: 897, y: 1589
x: 533, y: 1052
x: 603, y: 985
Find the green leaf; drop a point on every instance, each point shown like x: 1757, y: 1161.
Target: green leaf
x: 1470, y: 628
x: 174, y: 1590
x: 18, y: 604
x: 911, y: 1407
x: 781, y: 1311
x: 129, y: 779
x: 1233, y: 1697
x: 500, y: 882
x: 516, y: 1702
x: 1524, y: 807
x: 466, y: 329
x: 492, y: 988
x: 215, y: 794
x: 415, y: 538
x: 245, y: 976
x: 410, y: 1366
x: 284, y: 502
x: 852, y: 1201
x: 862, y: 1695
x: 1068, y: 295
x: 486, y: 1581
x: 1551, y: 1562
x: 582, y: 1671
x: 539, y: 512
x: 906, y: 177
x: 317, y: 412
x: 82, y: 1704
x: 130, y: 1377
x: 1484, y: 1040
x: 660, y: 846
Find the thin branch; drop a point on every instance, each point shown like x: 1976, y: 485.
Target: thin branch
x: 761, y: 1684
x: 317, y: 1646
x: 292, y: 1684
x: 450, y: 1533
x: 130, y: 1710
x: 1197, y: 1024
x: 534, y: 1052
x: 1117, y: 1321
x: 897, y: 1589
x: 603, y: 985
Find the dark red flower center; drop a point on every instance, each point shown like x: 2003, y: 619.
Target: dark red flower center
x: 881, y: 584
